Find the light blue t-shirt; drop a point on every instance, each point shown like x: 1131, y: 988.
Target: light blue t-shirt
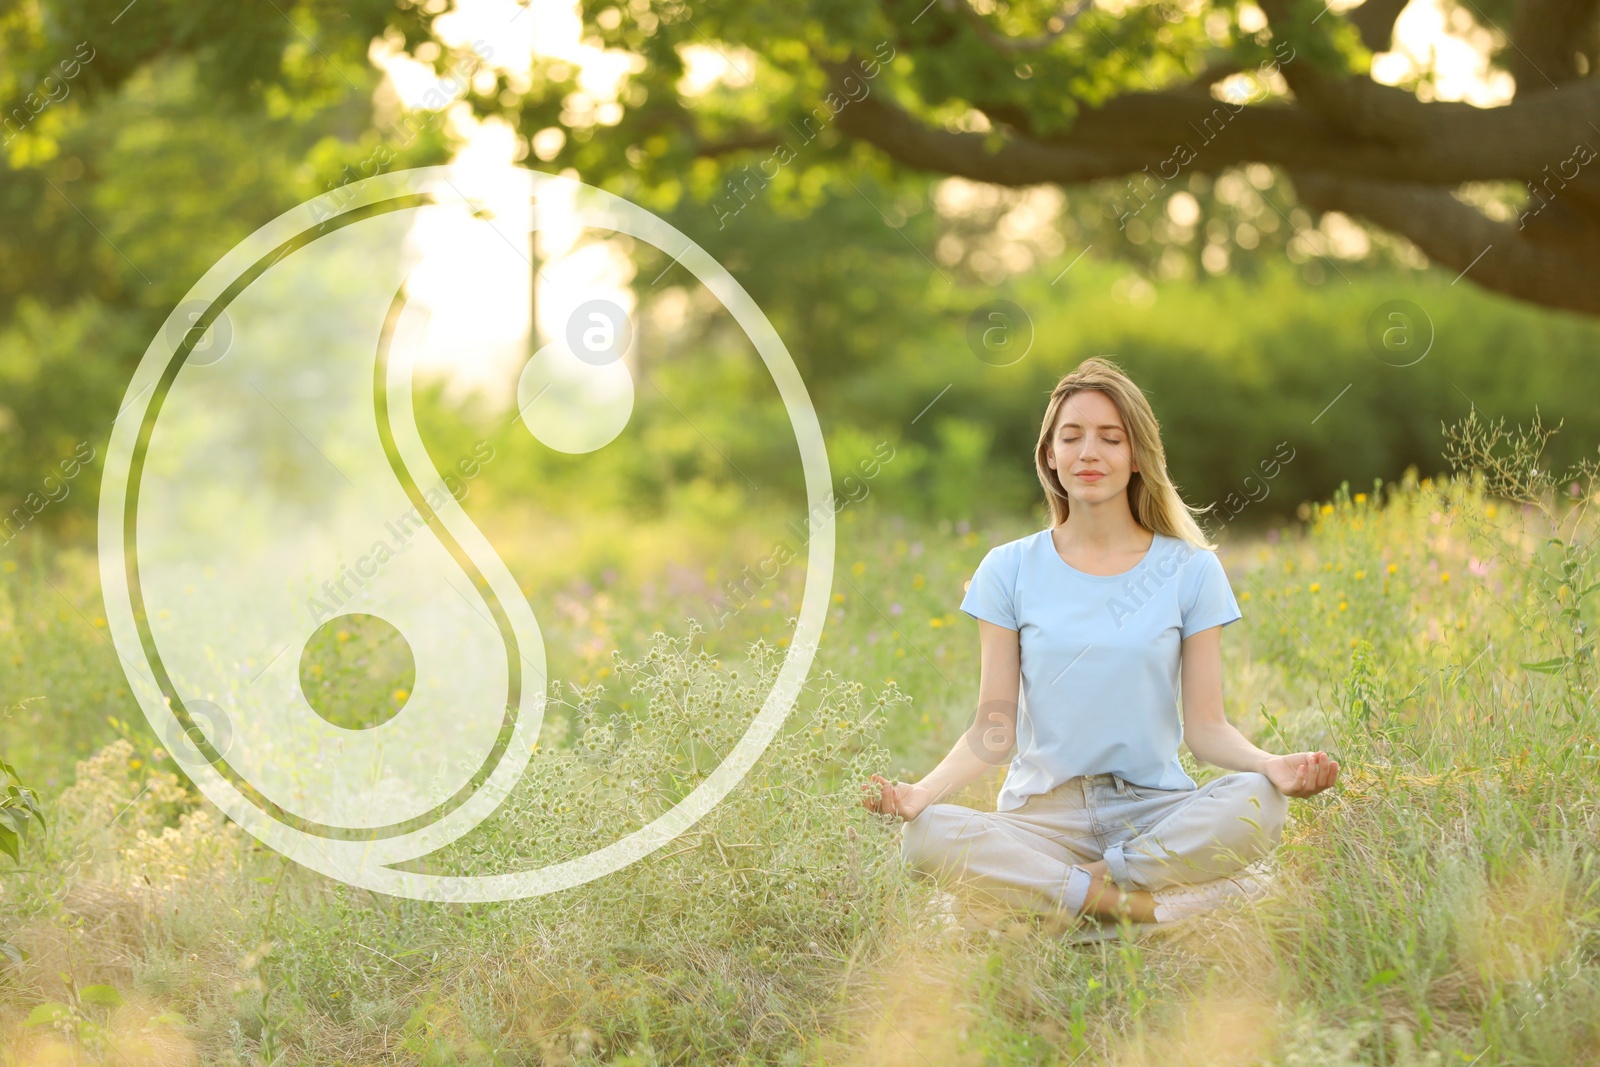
x: 1100, y: 658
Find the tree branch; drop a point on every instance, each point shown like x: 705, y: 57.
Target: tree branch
x: 1548, y: 36
x: 1454, y: 143
x: 1549, y: 269
x: 1374, y: 21
x: 1357, y: 106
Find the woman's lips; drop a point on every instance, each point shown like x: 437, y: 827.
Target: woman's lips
x: 1093, y: 476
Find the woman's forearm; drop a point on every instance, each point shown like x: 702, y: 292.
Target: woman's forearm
x: 1222, y: 745
x: 957, y: 770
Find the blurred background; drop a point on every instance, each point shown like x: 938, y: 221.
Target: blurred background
x: 1281, y: 220
x: 1340, y: 245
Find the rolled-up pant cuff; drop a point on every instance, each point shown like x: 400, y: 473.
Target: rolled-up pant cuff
x: 1076, y: 890
x: 1117, y: 867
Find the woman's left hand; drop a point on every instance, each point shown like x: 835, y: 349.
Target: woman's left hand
x: 1302, y: 774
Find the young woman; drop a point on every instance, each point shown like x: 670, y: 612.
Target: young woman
x: 1094, y: 622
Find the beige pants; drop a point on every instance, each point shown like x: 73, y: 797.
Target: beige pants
x: 1032, y: 858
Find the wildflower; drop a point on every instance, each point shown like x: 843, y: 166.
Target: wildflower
x: 1327, y: 509
x: 1361, y: 498
x: 1360, y: 575
x: 896, y: 608
x: 918, y: 581
x: 838, y: 598
x: 1245, y: 595
x: 343, y: 635
x: 858, y: 568
x: 1478, y: 567
x: 1444, y: 577
x: 1392, y: 568
x: 1316, y: 586
x: 400, y: 695
x: 936, y: 622
x: 11, y: 566
x: 99, y: 622
x: 1490, y: 511
x: 1343, y: 604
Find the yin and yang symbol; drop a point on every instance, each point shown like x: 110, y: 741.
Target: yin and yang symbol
x: 268, y: 502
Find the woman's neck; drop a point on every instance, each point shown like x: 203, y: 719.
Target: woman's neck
x: 1109, y: 528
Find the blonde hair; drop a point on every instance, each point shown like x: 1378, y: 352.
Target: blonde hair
x: 1152, y: 497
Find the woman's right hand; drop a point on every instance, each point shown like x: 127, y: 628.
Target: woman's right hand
x: 894, y: 798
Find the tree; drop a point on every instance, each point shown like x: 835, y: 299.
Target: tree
x: 1031, y: 91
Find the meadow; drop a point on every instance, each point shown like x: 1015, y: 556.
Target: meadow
x: 1437, y: 907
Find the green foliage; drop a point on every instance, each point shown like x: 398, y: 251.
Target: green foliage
x: 1461, y: 803
x: 19, y: 812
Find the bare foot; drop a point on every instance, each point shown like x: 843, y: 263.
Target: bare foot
x: 1107, y: 901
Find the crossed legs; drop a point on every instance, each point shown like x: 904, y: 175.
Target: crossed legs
x: 1048, y: 856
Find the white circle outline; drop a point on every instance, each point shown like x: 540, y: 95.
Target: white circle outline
x: 347, y: 860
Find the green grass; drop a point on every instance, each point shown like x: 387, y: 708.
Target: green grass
x: 1437, y: 907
